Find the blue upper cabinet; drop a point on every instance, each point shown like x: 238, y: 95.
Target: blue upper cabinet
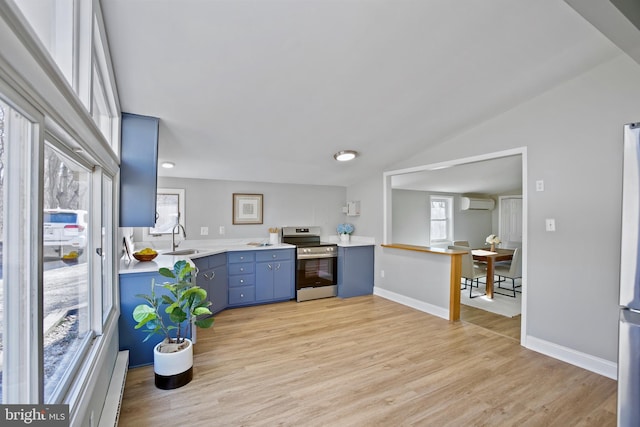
x: 138, y: 170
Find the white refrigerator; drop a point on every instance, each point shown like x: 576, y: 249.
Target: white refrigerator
x: 629, y: 332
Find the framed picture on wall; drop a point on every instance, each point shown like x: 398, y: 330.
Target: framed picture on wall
x: 247, y: 208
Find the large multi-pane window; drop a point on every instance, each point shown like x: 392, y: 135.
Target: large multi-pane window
x: 58, y: 171
x: 42, y: 368
x: 441, y: 220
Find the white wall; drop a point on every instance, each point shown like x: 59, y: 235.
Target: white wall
x: 573, y: 135
x: 209, y: 204
x: 410, y: 217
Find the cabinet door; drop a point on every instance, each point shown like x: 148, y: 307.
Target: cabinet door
x: 214, y: 281
x: 283, y: 276
x: 219, y: 293
x: 264, y: 281
x: 138, y: 170
x: 355, y: 271
x: 274, y: 281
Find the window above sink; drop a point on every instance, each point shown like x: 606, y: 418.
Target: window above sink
x: 170, y: 207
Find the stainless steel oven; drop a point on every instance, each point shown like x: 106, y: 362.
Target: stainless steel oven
x: 316, y: 263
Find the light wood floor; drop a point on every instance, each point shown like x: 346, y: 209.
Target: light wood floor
x: 507, y: 326
x: 366, y: 361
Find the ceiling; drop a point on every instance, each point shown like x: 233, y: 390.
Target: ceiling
x: 269, y: 90
x: 490, y: 177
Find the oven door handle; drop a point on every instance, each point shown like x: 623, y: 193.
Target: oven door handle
x: 316, y: 256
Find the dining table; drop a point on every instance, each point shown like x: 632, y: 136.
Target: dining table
x: 490, y: 258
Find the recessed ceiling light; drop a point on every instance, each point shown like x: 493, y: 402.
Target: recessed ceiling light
x: 345, y: 155
x: 168, y: 165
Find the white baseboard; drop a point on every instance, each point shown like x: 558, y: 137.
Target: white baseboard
x: 111, y: 409
x: 582, y: 360
x: 412, y: 302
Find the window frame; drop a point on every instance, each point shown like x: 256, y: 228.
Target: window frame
x: 20, y: 383
x: 448, y: 220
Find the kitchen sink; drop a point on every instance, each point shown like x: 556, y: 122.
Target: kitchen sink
x: 183, y: 252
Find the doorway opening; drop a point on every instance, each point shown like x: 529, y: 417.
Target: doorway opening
x: 497, y: 175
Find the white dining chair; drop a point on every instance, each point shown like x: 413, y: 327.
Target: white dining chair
x: 512, y: 271
x: 470, y: 270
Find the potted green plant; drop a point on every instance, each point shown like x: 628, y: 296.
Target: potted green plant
x: 184, y: 304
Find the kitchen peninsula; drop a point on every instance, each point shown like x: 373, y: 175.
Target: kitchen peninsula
x: 454, y: 275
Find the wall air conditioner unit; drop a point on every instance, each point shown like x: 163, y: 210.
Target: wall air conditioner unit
x: 476, y: 204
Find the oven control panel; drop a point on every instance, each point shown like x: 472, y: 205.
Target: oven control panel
x: 317, y: 252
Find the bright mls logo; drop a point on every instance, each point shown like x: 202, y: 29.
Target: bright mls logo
x: 34, y: 415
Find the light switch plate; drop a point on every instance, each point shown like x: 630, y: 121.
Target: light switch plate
x: 204, y: 231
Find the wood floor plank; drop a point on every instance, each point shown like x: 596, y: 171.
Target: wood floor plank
x: 366, y: 361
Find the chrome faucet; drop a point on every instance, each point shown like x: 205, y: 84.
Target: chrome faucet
x: 173, y: 235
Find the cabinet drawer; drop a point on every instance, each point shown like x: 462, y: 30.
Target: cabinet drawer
x: 242, y: 295
x: 234, y: 257
x: 279, y: 255
x: 241, y: 268
x: 241, y: 280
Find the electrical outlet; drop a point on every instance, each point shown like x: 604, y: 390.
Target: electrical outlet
x: 204, y: 231
x: 221, y: 230
x: 540, y: 185
x: 381, y: 273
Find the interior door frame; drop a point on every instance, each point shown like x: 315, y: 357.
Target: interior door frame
x: 522, y: 151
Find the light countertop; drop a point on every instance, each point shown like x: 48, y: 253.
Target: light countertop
x: 204, y: 250
x: 212, y: 247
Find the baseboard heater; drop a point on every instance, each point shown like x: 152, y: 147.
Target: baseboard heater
x: 111, y: 408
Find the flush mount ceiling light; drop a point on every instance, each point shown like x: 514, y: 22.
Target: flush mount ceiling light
x: 168, y: 165
x: 345, y: 155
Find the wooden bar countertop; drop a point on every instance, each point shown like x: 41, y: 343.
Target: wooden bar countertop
x: 416, y: 248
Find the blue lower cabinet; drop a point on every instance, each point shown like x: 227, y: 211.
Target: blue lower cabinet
x: 140, y: 353
x: 261, y: 276
x: 355, y: 271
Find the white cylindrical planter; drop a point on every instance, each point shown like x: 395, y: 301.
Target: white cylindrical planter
x: 344, y: 238
x: 173, y: 370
